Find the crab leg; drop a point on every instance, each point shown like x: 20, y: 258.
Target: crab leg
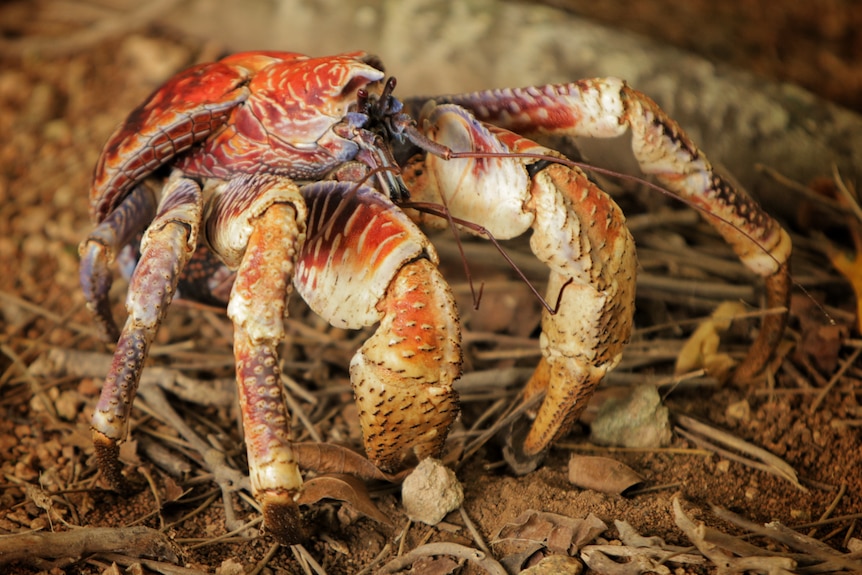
x: 255, y: 224
x: 365, y: 262
x: 101, y: 247
x: 605, y: 108
x: 165, y: 248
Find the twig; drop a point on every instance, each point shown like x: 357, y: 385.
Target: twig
x: 471, y: 527
x: 137, y: 541
x: 848, y: 196
x: 832, y: 506
x: 157, y: 566
x: 815, y: 550
x: 308, y: 559
x: 713, y: 544
x: 256, y: 521
x: 99, y: 31
x: 474, y: 555
x: 815, y: 405
x: 377, y: 559
x: 771, y: 463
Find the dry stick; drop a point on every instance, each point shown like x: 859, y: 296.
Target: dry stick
x: 155, y: 491
x: 35, y: 387
x: 841, y: 491
x: 717, y: 547
x: 838, y: 374
x: 815, y: 548
x: 228, y: 478
x: 113, y: 26
x: 471, y: 527
x: 238, y: 531
x: 135, y: 541
x: 49, y: 315
x: 377, y: 559
x: 266, y: 559
x: 196, y: 511
x: 803, y: 190
x: 403, y: 537
x: 773, y: 464
x: 498, y: 425
x: 732, y: 456
x: 308, y: 560
x: 849, y: 534
x: 298, y: 411
x: 297, y: 389
x: 846, y: 193
x: 489, y: 565
x: 157, y: 566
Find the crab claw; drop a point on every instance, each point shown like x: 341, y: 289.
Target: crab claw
x: 578, y: 232
x: 365, y: 262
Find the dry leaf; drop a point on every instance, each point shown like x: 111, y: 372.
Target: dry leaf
x: 560, y: 534
x: 172, y: 490
x: 556, y: 565
x: 602, y: 474
x: 850, y: 266
x: 441, y: 565
x: 326, y: 458
x: 342, y: 487
x: 700, y: 351
x: 732, y: 554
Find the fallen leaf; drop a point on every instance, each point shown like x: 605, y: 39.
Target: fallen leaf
x: 328, y: 458
x: 820, y: 341
x: 441, y: 565
x: 851, y: 268
x: 636, y: 563
x: 560, y: 534
x: 700, y: 351
x: 556, y: 565
x: 345, y: 488
x: 848, y: 264
x: 172, y: 490
x: 602, y: 474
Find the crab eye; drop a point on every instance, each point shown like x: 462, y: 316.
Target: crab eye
x: 355, y: 86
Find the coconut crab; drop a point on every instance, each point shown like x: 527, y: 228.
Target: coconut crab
x: 267, y: 170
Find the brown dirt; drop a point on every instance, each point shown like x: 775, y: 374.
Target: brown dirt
x: 54, y: 116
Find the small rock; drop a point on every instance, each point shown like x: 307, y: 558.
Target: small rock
x: 230, y: 566
x: 739, y: 411
x: 431, y: 491
x: 638, y: 421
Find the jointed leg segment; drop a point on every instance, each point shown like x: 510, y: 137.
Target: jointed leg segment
x: 168, y: 243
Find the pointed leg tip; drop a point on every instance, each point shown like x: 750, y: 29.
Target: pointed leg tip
x: 108, y: 460
x: 282, y: 518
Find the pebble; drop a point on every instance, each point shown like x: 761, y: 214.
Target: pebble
x: 431, y: 491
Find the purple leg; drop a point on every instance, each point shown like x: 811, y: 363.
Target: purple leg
x: 166, y: 247
x: 102, y: 246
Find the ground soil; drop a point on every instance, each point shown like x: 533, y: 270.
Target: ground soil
x: 55, y: 113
